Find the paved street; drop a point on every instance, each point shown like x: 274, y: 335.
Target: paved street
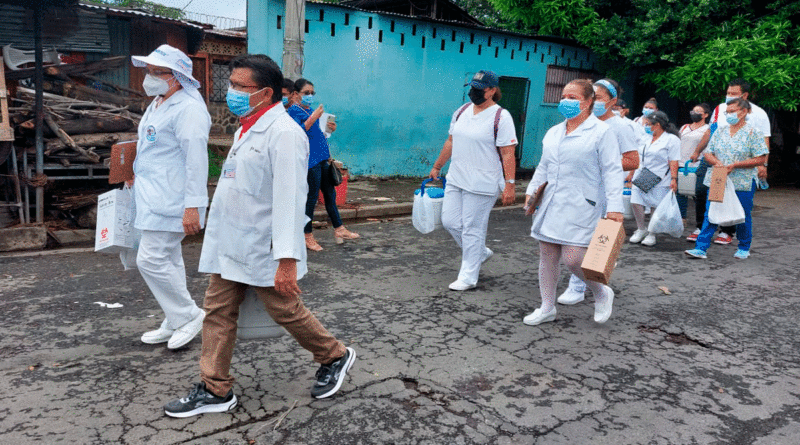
x: 715, y: 361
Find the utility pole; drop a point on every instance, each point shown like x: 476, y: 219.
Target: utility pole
x: 293, y: 39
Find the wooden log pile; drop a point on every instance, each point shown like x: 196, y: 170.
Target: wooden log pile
x: 77, y: 131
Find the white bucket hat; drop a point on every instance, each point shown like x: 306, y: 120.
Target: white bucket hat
x: 169, y: 57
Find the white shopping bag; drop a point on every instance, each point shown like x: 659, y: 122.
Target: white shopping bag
x: 729, y: 212
x: 115, y: 215
x: 687, y: 179
x: 666, y: 217
x: 426, y: 214
x: 254, y: 320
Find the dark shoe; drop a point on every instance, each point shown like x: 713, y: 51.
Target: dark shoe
x: 200, y: 401
x: 330, y: 377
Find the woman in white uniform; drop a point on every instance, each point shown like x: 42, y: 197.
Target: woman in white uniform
x: 660, y: 156
x: 478, y: 132
x: 582, y: 167
x: 170, y: 188
x: 606, y: 93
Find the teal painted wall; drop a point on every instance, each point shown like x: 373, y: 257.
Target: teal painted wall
x: 394, y: 101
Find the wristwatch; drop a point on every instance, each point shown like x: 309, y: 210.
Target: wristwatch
x: 510, y: 181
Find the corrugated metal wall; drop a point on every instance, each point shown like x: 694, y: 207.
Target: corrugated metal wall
x: 66, y: 29
x: 119, y: 30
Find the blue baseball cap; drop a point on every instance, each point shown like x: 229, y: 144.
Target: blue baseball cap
x: 484, y: 79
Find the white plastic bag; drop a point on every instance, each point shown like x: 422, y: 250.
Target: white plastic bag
x: 666, y: 217
x: 729, y: 212
x: 426, y: 214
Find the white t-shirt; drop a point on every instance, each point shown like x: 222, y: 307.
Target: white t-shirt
x: 626, y: 137
x: 642, y: 137
x: 475, y: 164
x: 689, y: 141
x: 757, y: 118
x: 657, y: 155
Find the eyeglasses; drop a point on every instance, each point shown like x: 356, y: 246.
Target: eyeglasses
x: 159, y: 73
x: 239, y: 87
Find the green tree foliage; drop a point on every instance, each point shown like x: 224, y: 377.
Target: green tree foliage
x: 690, y: 48
x: 151, y: 7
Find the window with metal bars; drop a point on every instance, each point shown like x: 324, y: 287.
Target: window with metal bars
x: 220, y: 73
x: 558, y: 77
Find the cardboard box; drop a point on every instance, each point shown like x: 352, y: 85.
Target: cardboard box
x: 115, y: 217
x: 601, y: 257
x: 120, y: 168
x: 719, y: 178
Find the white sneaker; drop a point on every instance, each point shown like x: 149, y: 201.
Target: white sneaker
x: 649, y: 240
x: 187, y: 332
x: 487, y: 254
x: 574, y: 292
x: 537, y: 317
x: 160, y: 335
x: 570, y: 296
x: 638, y: 236
x: 460, y: 285
x: 603, y: 311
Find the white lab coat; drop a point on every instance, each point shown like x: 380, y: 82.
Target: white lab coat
x: 578, y: 167
x: 171, y: 165
x: 258, y: 211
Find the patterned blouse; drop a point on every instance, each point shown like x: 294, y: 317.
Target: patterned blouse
x: 747, y: 143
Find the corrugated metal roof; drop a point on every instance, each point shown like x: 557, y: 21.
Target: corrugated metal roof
x: 139, y: 13
x: 66, y: 29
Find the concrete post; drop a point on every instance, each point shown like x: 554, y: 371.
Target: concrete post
x: 293, y: 39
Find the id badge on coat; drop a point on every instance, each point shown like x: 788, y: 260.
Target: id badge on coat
x: 229, y: 169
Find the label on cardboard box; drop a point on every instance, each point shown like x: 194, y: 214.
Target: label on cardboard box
x: 603, y: 251
x: 719, y: 178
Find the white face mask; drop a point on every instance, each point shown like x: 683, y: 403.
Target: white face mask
x: 155, y: 86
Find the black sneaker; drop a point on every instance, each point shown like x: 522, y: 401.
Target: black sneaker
x: 200, y: 401
x: 330, y: 377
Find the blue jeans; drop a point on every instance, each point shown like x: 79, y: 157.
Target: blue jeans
x: 744, y: 231
x: 683, y: 202
x: 319, y: 179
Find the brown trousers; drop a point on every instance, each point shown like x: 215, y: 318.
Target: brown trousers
x: 221, y: 304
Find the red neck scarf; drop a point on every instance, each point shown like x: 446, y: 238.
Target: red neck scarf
x: 250, y: 120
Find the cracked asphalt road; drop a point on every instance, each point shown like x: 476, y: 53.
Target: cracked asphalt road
x: 714, y: 362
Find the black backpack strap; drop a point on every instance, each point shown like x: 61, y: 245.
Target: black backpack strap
x: 497, y: 123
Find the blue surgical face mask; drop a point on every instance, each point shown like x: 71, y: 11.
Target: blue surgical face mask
x: 239, y: 101
x: 285, y: 101
x: 648, y: 129
x: 599, y: 108
x: 569, y: 108
x: 729, y: 99
x: 308, y: 100
x: 732, y: 118
x: 647, y: 111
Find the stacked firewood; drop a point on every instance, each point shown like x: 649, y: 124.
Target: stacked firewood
x: 76, y: 131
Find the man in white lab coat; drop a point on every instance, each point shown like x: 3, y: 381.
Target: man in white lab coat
x: 170, y: 188
x: 255, y: 238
